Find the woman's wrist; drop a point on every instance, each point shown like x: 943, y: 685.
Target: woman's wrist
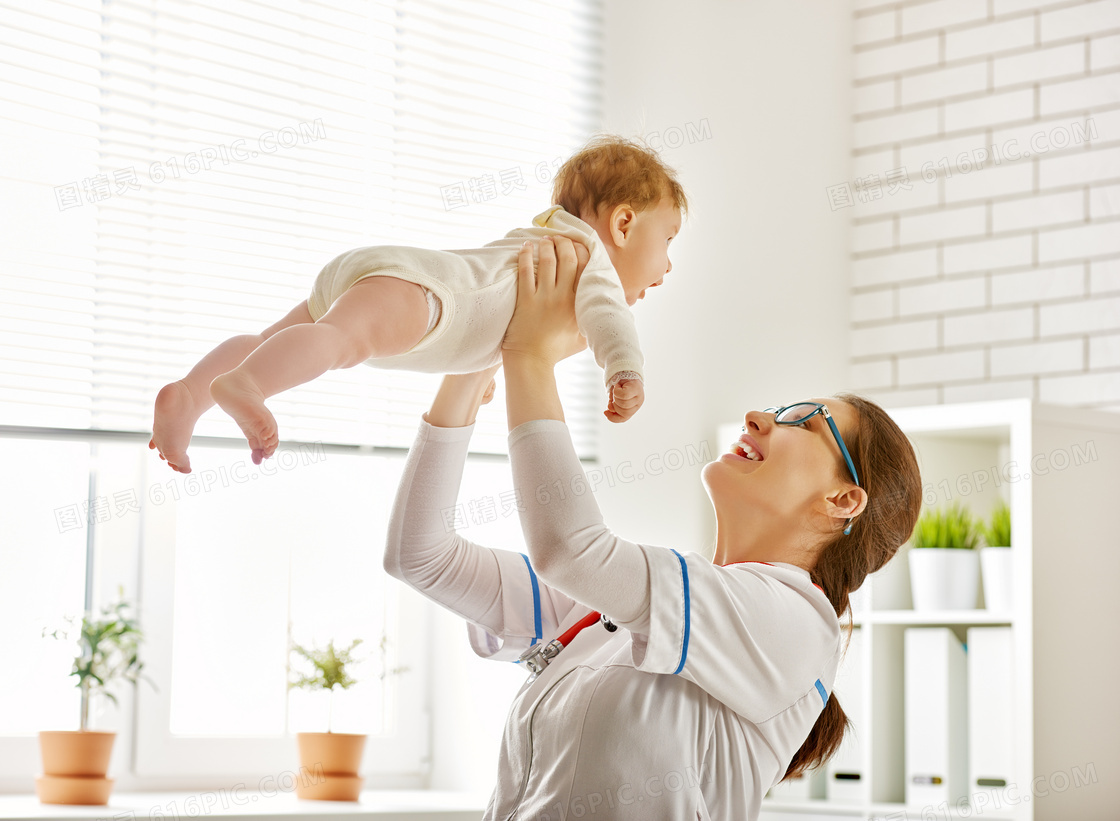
x: 458, y: 399
x: 531, y: 391
x: 536, y: 360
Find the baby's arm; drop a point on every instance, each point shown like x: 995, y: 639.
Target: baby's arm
x: 626, y: 396
x: 605, y: 319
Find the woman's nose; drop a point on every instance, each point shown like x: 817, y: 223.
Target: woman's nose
x: 756, y: 420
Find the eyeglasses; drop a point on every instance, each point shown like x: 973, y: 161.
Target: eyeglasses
x: 802, y: 412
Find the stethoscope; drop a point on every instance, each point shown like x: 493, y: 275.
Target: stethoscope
x: 537, y: 657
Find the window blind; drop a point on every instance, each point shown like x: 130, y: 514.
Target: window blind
x: 177, y: 172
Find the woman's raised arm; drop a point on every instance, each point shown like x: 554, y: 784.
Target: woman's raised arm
x: 421, y: 550
x: 568, y: 542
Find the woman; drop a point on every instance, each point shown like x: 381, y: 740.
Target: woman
x: 715, y: 681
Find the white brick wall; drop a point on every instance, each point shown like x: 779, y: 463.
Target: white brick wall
x: 1037, y: 210
x: 980, y: 40
x: 1104, y: 277
x: 1038, y: 285
x: 1083, y: 20
x: 941, y: 296
x: 1104, y: 52
x: 993, y: 270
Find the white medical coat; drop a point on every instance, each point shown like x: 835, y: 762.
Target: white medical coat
x: 696, y: 716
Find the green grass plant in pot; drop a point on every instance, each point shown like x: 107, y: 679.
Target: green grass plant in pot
x: 944, y: 565
x: 995, y: 559
x: 75, y: 763
x: 333, y: 759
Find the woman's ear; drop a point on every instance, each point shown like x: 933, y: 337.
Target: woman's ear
x: 847, y: 503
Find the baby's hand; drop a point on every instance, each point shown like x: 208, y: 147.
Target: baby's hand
x: 626, y: 396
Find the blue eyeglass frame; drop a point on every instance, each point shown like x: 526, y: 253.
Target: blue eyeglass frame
x: 823, y: 411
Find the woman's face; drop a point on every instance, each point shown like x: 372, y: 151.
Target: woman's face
x: 790, y: 472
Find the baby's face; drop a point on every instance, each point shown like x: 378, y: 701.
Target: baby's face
x: 643, y: 260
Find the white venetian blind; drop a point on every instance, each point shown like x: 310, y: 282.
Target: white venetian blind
x: 176, y: 172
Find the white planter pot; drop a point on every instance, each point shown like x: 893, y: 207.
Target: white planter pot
x: 943, y: 578
x: 995, y: 566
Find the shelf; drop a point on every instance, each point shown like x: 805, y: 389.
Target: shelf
x: 890, y: 812
x: 877, y: 811
x: 818, y: 806
x: 933, y: 617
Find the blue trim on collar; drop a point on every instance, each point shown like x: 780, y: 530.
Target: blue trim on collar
x: 822, y: 691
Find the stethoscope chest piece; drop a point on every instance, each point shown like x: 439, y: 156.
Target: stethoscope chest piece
x: 537, y: 657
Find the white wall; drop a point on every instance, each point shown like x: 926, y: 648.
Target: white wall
x: 991, y: 277
x: 755, y: 312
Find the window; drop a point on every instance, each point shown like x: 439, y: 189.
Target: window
x: 177, y: 173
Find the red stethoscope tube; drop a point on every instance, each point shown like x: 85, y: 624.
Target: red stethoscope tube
x: 537, y: 657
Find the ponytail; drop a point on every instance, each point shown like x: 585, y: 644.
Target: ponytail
x: 885, y: 459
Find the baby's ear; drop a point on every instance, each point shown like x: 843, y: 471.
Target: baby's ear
x: 621, y: 223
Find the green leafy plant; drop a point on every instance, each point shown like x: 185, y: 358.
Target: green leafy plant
x: 329, y: 670
x: 108, y: 651
x: 997, y: 529
x: 952, y: 527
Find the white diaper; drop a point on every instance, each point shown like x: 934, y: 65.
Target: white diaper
x: 433, y: 310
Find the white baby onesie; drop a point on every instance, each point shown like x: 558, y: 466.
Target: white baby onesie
x: 477, y: 290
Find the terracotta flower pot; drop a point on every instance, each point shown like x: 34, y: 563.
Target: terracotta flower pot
x: 329, y: 764
x: 74, y: 767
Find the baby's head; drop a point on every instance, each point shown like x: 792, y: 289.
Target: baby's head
x: 632, y: 200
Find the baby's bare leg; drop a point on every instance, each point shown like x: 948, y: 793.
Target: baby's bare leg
x: 180, y: 404
x: 378, y: 316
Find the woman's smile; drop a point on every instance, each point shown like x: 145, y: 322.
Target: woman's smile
x: 745, y: 449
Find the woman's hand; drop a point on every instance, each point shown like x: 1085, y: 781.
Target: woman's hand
x: 544, y: 319
x: 543, y: 329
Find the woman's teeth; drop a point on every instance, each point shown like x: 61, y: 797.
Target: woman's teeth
x: 743, y: 449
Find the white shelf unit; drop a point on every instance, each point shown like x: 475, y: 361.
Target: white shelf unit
x: 1059, y: 469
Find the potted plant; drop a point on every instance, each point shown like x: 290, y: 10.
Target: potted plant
x: 75, y: 763
x: 995, y: 559
x: 944, y: 567
x: 334, y: 757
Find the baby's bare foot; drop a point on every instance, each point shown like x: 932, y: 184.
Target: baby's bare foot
x: 175, y: 416
x: 240, y: 398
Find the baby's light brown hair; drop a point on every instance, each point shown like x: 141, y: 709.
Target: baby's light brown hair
x: 611, y: 171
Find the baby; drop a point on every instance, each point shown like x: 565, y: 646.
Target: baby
x: 447, y: 311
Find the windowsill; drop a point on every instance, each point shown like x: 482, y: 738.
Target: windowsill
x: 413, y: 805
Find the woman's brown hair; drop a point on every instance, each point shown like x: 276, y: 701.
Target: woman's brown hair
x: 888, y: 471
